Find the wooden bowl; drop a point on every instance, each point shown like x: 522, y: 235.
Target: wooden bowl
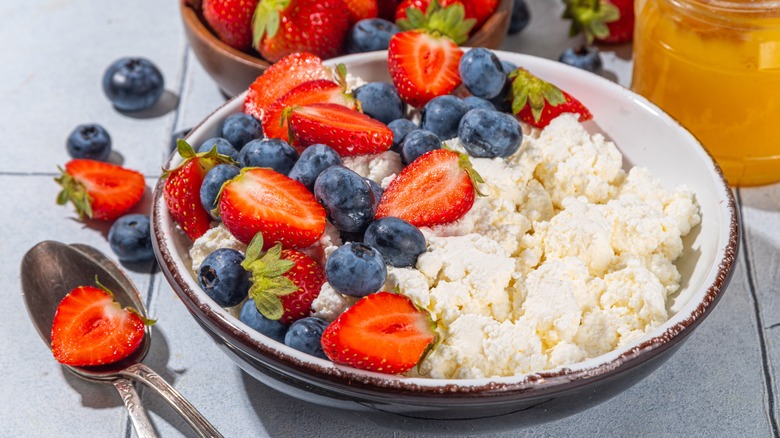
x: 234, y: 70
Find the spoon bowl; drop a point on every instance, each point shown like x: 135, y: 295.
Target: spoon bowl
x: 49, y: 271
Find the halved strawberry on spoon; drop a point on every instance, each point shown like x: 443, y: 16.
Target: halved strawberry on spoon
x: 91, y: 329
x: 347, y: 131
x: 437, y: 188
x: 423, y: 60
x: 383, y: 332
x: 537, y: 102
x: 99, y: 190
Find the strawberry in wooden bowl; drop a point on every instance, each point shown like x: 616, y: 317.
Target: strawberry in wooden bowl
x: 513, y: 247
x: 236, y: 40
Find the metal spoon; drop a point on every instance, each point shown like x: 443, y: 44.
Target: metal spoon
x: 49, y: 271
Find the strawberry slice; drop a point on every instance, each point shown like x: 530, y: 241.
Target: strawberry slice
x: 383, y: 332
x: 347, y: 131
x: 261, y: 200
x: 281, y: 77
x: 436, y: 188
x: 284, y: 281
x: 423, y: 62
x: 182, y: 188
x: 537, y: 102
x: 89, y: 328
x: 99, y: 190
x: 316, y: 91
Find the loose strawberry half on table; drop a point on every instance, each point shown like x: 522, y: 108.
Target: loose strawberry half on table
x: 284, y: 281
x: 383, y: 332
x: 437, y: 188
x: 347, y: 131
x: 182, y: 188
x: 231, y: 20
x: 537, y: 102
x: 261, y: 200
x: 99, y: 190
x: 280, y: 78
x: 91, y: 329
x: 282, y: 27
x: 423, y: 62
x: 316, y: 91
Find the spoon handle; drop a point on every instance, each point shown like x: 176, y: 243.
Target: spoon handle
x: 196, y: 420
x: 143, y: 427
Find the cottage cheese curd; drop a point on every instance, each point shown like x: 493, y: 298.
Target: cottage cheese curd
x: 567, y: 257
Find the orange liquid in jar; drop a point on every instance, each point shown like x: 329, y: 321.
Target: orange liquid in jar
x: 719, y: 76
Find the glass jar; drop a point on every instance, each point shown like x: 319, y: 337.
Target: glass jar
x: 714, y: 65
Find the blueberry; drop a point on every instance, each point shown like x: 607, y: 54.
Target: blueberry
x: 313, y: 160
x: 239, y: 129
x: 417, y: 143
x: 130, y: 238
x: 507, y: 66
x: 223, y: 278
x: 503, y: 102
x: 176, y: 136
x: 89, y: 141
x: 520, y: 17
x: 253, y: 318
x: 305, y: 335
x: 212, y: 183
x: 399, y: 242
x: 133, y: 84
x: 584, y: 57
x: 474, y: 102
x: 370, y: 34
x: 378, y: 191
x: 490, y: 134
x: 270, y: 152
x: 381, y: 101
x: 481, y: 73
x: 400, y: 128
x: 224, y: 147
x: 356, y: 269
x: 442, y: 114
x: 347, y: 198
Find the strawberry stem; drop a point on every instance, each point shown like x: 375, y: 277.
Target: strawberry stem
x: 268, y: 280
x: 74, y: 192
x: 449, y: 22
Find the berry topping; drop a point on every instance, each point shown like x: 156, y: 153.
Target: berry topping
x: 490, y: 134
x: 537, y: 102
x: 269, y: 152
x: 370, y: 35
x: 356, y: 269
x: 347, y: 198
x: 306, y: 335
x: 399, y: 242
x: 240, y: 128
x: 313, y: 160
x: 223, y: 278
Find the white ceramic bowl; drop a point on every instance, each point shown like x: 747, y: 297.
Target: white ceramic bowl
x: 645, y: 135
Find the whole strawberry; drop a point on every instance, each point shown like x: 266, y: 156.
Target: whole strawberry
x: 182, y: 188
x: 282, y: 27
x: 99, y: 190
x: 423, y: 60
x: 284, y: 281
x: 231, y: 20
x: 537, y: 102
x: 608, y: 21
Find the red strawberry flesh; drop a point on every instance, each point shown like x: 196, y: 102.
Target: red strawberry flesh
x: 347, y: 131
x: 113, y: 190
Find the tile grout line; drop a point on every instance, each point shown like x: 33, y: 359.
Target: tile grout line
x: 760, y: 326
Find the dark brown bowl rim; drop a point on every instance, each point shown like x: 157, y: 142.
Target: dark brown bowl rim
x: 531, y: 385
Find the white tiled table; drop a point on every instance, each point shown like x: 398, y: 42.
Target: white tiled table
x: 722, y: 382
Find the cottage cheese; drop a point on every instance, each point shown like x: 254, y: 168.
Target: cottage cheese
x: 567, y: 257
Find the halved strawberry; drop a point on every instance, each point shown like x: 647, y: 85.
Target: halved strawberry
x: 284, y: 281
x: 261, y: 200
x: 89, y: 328
x: 383, y: 332
x: 182, y: 188
x: 537, y: 102
x: 436, y: 188
x: 280, y: 78
x: 347, y: 131
x: 316, y: 91
x: 99, y: 190
x: 361, y: 9
x: 231, y: 20
x: 423, y: 62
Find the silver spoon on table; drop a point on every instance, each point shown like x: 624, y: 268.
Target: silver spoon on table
x: 49, y: 271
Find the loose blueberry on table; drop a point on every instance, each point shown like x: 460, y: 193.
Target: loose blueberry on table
x: 133, y: 84
x: 89, y: 141
x: 130, y: 238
